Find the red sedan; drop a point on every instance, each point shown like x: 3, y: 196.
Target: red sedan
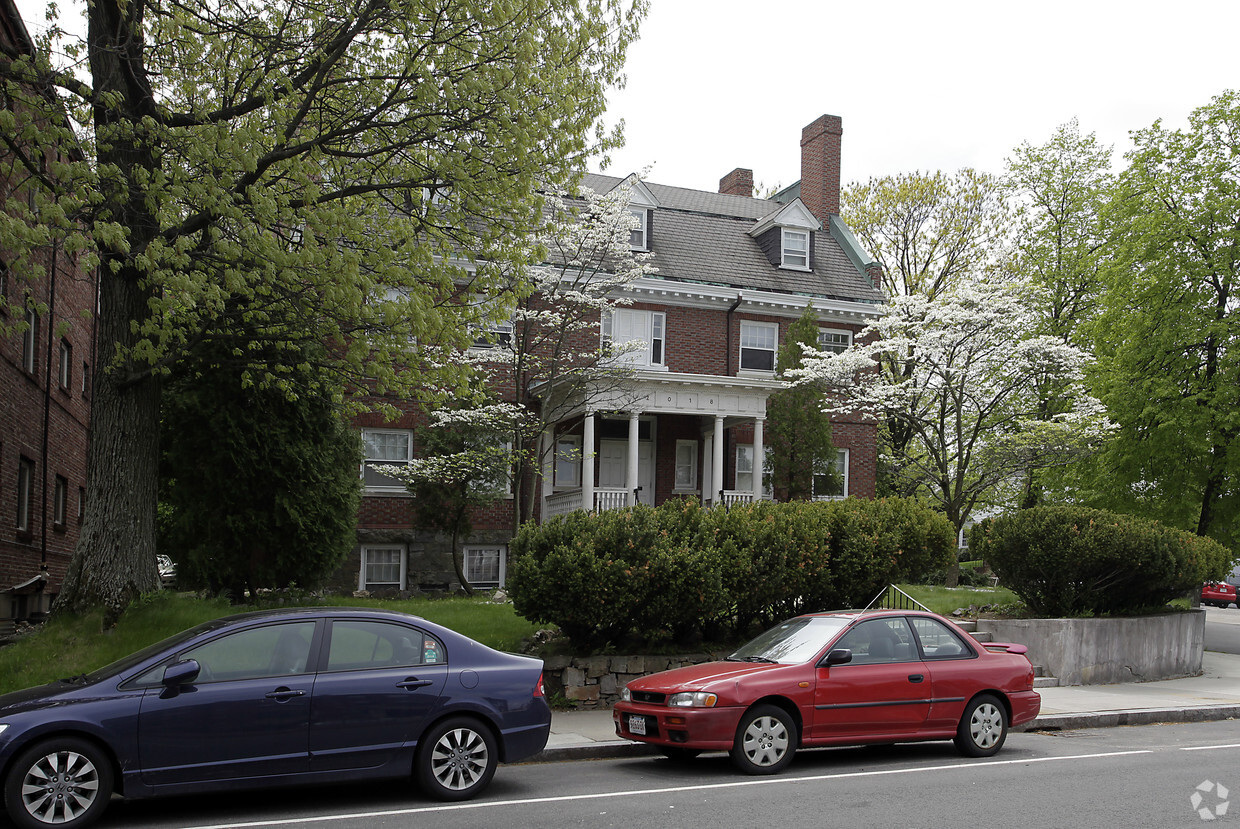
x: 1219, y: 594
x: 836, y: 679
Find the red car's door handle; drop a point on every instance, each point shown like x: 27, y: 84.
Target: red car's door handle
x: 282, y: 694
x: 915, y: 677
x: 413, y: 682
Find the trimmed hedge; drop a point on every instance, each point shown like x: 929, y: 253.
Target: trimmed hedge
x: 679, y: 572
x: 1075, y: 561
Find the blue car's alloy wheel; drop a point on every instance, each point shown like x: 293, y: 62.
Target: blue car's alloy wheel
x: 64, y: 782
x: 457, y: 759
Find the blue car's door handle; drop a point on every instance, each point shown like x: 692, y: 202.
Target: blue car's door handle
x: 413, y: 682
x: 282, y: 694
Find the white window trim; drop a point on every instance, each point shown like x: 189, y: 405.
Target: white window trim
x: 642, y: 214
x: 767, y: 489
x: 362, y: 584
x: 845, y: 454
x: 692, y: 486
x: 760, y: 372
x: 373, y: 488
x: 784, y: 249
x: 503, y: 562
x: 644, y: 359
x: 576, y: 461
x: 831, y: 346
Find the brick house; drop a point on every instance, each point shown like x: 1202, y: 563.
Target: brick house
x: 44, y: 396
x: 733, y: 272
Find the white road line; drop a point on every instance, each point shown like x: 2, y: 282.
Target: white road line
x: 765, y: 781
x: 1210, y: 748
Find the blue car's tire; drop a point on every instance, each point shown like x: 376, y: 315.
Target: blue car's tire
x: 63, y: 781
x: 456, y: 759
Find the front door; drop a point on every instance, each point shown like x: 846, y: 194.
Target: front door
x: 613, y: 463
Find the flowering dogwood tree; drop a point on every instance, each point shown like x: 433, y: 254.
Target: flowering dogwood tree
x: 538, y: 342
x: 972, y: 397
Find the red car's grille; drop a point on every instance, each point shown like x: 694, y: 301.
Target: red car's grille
x: 649, y: 697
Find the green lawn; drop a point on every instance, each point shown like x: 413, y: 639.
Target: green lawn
x: 74, y: 645
x: 946, y: 599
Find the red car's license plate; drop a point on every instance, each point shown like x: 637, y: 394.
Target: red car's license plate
x: 637, y: 725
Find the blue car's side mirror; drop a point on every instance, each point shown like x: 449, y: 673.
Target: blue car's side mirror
x: 181, y: 673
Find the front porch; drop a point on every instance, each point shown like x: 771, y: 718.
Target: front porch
x: 670, y: 436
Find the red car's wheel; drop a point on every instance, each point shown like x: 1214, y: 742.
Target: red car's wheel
x: 766, y: 739
x: 983, y: 728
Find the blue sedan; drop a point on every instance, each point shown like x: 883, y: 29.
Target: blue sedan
x: 283, y: 697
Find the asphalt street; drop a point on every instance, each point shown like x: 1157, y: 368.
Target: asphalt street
x: 1133, y: 777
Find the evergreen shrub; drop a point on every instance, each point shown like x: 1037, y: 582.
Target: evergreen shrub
x: 678, y: 573
x: 1075, y: 561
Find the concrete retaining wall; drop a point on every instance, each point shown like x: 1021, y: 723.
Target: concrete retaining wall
x: 1105, y: 651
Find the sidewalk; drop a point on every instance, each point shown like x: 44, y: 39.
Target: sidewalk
x: 1215, y: 695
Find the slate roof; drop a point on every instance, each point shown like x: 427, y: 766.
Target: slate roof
x: 703, y: 237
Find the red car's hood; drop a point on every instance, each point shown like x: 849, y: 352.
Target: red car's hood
x: 695, y: 677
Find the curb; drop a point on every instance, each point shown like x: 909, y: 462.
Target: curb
x: 617, y: 749
x: 1133, y: 716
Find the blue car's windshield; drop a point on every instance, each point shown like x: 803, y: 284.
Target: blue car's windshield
x: 795, y: 641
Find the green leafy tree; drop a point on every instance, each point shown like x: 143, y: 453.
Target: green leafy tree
x: 305, y: 172
x: 1168, y: 339
x: 1058, y: 191
x: 259, y: 488
x: 798, y: 430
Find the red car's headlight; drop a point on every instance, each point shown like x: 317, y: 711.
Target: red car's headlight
x: 692, y: 699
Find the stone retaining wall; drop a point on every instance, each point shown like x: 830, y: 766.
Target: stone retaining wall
x: 595, y: 681
x: 1106, y: 651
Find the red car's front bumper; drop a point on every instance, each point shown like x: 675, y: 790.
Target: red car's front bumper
x: 708, y: 729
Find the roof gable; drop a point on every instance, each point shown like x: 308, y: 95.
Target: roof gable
x: 795, y: 215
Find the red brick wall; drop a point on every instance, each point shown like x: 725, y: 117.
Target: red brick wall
x: 821, y: 143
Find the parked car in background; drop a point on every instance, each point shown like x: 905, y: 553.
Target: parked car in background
x: 167, y: 571
x: 1219, y: 594
x: 844, y: 678
x: 272, y: 698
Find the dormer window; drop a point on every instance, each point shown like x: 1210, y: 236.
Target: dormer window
x: 637, y: 236
x: 795, y: 249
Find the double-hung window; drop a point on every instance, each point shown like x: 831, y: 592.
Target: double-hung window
x: 686, y: 465
x: 568, y: 460
x: 637, y: 235
x: 640, y: 337
x: 383, y: 567
x: 745, y: 469
x: 25, y: 493
x: 66, y: 365
x: 30, y: 342
x: 759, y: 341
x: 831, y: 478
x: 385, y: 446
x: 833, y: 340
x: 485, y: 565
x: 795, y: 249
x: 60, y: 502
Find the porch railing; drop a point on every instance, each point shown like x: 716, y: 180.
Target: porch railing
x: 606, y: 498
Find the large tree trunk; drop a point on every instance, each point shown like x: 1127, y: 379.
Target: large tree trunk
x: 115, y: 558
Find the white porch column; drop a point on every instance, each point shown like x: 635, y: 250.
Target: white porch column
x: 587, y: 462
x: 758, y: 457
x: 631, y: 466
x: 708, y: 464
x: 716, y: 484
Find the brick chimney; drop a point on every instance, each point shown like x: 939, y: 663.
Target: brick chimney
x: 820, y: 166
x: 739, y: 182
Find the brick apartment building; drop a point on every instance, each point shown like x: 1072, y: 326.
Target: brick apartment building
x: 44, y: 394
x: 733, y: 272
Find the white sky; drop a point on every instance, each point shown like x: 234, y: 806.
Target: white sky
x: 719, y: 84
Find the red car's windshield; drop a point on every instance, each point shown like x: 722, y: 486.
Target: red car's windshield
x: 795, y: 641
